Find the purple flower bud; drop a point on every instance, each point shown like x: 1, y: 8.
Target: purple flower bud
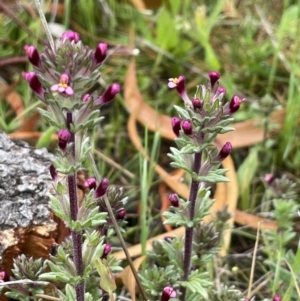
x: 71, y: 35
x: 101, y: 189
x: 121, y: 214
x: 174, y: 200
x: 168, y: 293
x: 224, y: 152
x: 221, y: 90
x: 3, y: 276
x: 109, y: 94
x: 176, y: 121
x: 269, y: 178
x: 234, y: 104
x: 64, y: 137
x: 86, y: 97
x: 214, y: 77
x: 63, y: 86
x: 197, y: 104
x: 90, y: 183
x: 33, y: 55
x: 34, y: 83
x: 277, y: 298
x: 100, y: 53
x: 187, y: 127
x: 53, y: 172
x: 106, y: 251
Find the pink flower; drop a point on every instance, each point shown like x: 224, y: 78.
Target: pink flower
x: 179, y: 84
x: 63, y: 85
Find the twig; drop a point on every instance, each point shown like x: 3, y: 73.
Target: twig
x: 45, y: 24
x: 253, y: 262
x: 294, y: 277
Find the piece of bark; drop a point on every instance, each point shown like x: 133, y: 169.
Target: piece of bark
x: 26, y: 224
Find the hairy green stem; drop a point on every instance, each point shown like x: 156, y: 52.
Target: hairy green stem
x: 119, y: 234
x: 188, y: 244
x: 76, y: 236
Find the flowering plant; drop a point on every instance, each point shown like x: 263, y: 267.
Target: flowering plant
x: 62, y: 75
x: 180, y: 262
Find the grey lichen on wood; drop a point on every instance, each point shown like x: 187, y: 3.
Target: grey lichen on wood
x: 25, y: 184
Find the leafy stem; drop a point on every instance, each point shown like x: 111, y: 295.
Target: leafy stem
x: 189, y: 230
x: 76, y: 236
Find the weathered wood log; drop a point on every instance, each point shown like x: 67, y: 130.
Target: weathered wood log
x: 26, y: 224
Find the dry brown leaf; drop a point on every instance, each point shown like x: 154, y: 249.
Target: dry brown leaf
x: 247, y: 219
x: 136, y: 250
x: 13, y: 98
x: 128, y: 279
x: 138, y: 4
x: 30, y: 124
